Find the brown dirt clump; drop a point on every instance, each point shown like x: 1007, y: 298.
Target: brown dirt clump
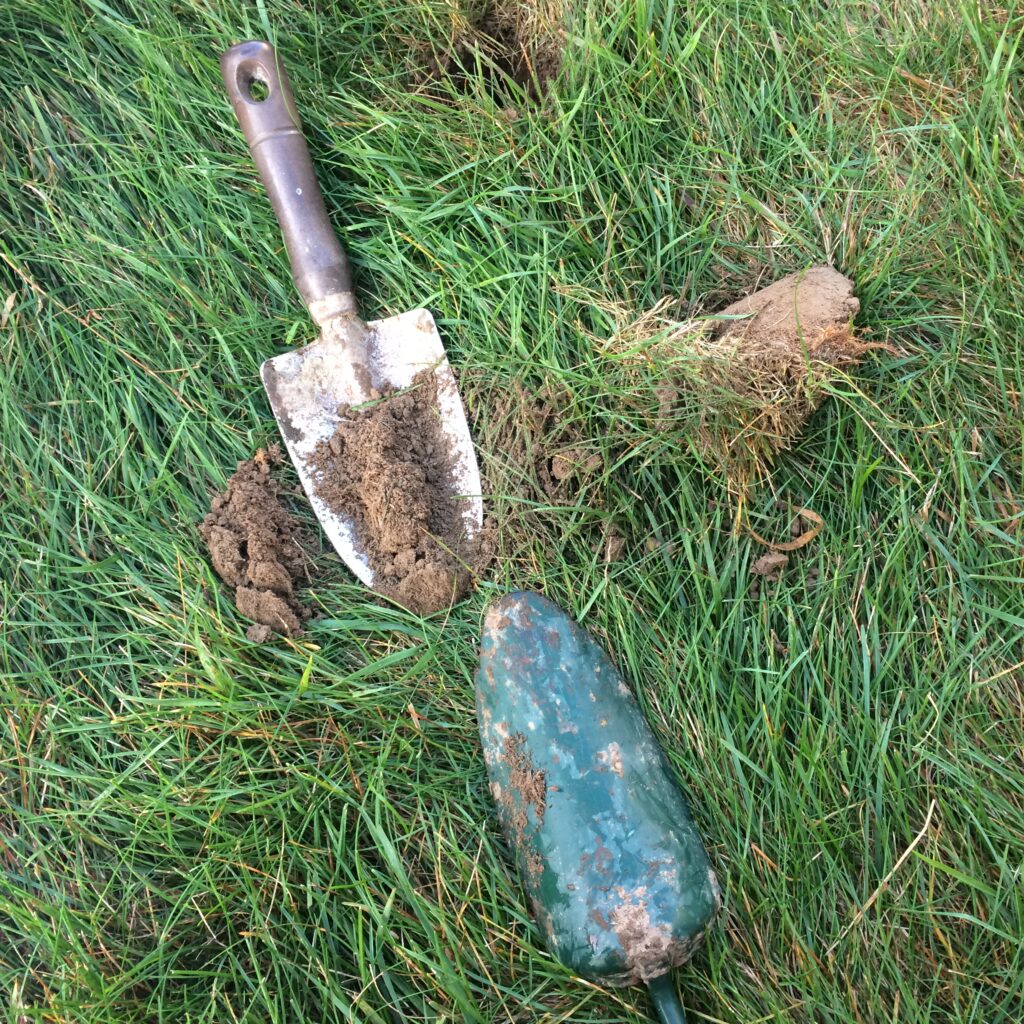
x: 529, y: 784
x: 527, y: 787
x: 770, y: 566
x: 255, y: 548
x: 783, y: 320
x: 389, y: 469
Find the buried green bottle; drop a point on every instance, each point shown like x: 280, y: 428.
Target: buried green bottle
x: 615, y: 870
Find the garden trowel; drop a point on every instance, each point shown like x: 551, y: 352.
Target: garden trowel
x: 610, y: 858
x: 354, y: 361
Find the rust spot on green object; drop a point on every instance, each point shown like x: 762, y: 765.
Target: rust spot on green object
x: 544, y: 919
x: 524, y: 779
x: 534, y: 867
x: 610, y: 759
x: 525, y: 788
x: 603, y: 858
x: 644, y: 944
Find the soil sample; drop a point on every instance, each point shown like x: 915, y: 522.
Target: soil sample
x: 741, y: 386
x: 802, y: 316
x: 255, y: 548
x: 389, y: 469
x: 772, y: 356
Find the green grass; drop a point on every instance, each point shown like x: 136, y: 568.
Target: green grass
x: 196, y: 829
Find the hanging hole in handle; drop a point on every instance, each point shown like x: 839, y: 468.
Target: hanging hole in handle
x: 258, y: 90
x: 252, y: 82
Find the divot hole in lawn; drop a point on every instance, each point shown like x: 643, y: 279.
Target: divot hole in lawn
x: 505, y: 43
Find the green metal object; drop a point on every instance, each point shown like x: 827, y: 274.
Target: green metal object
x: 610, y: 858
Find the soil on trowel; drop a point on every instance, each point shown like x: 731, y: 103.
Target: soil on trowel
x: 389, y: 468
x: 255, y: 547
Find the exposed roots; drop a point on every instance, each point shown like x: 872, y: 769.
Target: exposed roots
x: 742, y: 385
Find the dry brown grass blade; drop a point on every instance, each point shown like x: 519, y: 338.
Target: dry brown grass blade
x: 805, y: 538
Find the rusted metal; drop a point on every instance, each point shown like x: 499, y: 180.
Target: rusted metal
x: 615, y: 870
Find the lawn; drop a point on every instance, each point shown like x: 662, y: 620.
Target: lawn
x: 195, y: 828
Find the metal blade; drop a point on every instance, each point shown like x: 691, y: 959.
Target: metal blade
x: 306, y: 387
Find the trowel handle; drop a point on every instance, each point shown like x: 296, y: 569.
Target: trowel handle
x: 259, y: 91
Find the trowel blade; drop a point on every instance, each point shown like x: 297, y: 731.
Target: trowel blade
x: 307, y: 386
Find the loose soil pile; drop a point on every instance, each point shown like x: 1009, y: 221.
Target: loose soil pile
x: 255, y: 547
x: 389, y: 468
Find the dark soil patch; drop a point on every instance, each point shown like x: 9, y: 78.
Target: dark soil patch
x: 505, y: 41
x: 255, y: 547
x: 389, y: 469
